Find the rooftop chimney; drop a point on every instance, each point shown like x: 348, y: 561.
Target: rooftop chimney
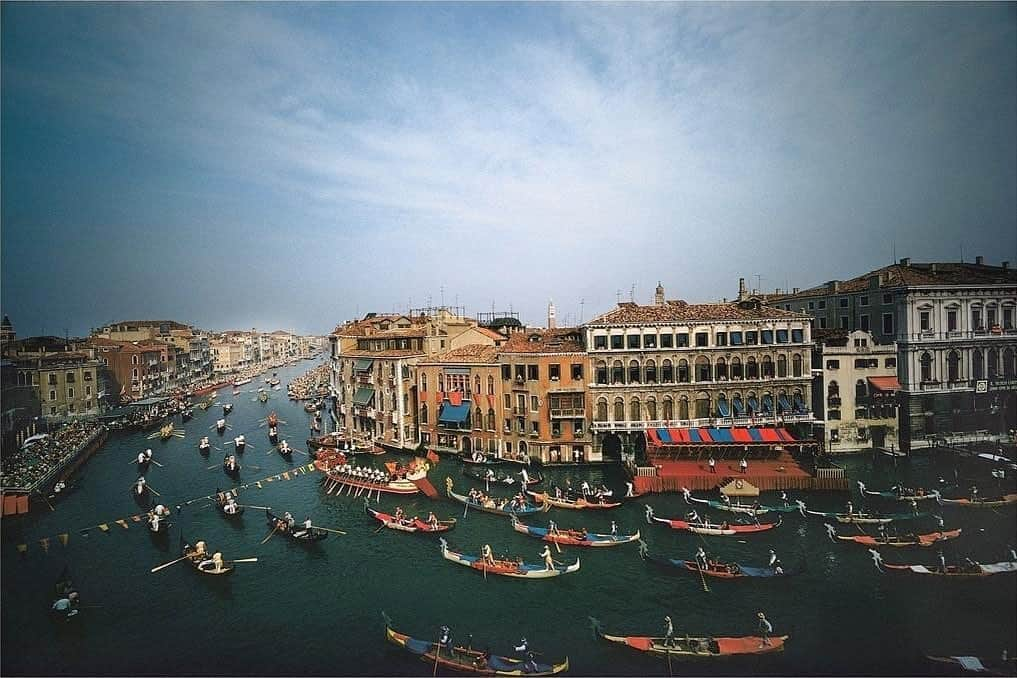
x: 979, y: 260
x: 833, y: 285
x: 906, y: 261
x: 742, y: 292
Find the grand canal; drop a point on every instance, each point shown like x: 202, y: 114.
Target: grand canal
x: 317, y: 611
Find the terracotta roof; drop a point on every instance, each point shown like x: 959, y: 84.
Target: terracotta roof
x: 149, y: 323
x: 366, y: 326
x: 680, y: 311
x: 470, y: 353
x: 497, y: 336
x: 900, y: 275
x: 558, y: 340
x: 387, y: 353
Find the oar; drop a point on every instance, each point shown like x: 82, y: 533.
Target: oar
x: 326, y: 529
x: 152, y: 490
x: 263, y: 508
x: 156, y: 463
x: 437, y: 651
x: 245, y: 560
x: 271, y: 533
x: 172, y: 562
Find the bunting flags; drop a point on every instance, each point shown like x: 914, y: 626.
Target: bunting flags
x: 64, y: 538
x: 122, y: 523
x: 44, y: 543
x: 104, y: 527
x: 136, y: 519
x: 22, y: 549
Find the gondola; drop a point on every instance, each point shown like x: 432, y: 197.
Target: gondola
x: 575, y: 504
x: 227, y: 408
x: 751, y: 510
x: 409, y: 525
x: 706, y: 527
x: 980, y: 665
x: 528, y: 510
x: 196, y: 560
x: 484, y: 461
x: 573, y: 537
x: 220, y: 503
x: 862, y: 518
x: 899, y: 493
x: 967, y: 571
x: 220, y: 426
x: 1005, y: 500
x: 273, y: 436
x: 164, y: 525
x: 506, y: 568
x: 65, y: 607
x: 702, y: 647
x: 897, y: 540
x: 503, y: 479
x: 231, y: 472
x: 204, y: 449
x: 714, y: 568
x: 469, y: 660
x: 285, y: 450
x: 297, y: 533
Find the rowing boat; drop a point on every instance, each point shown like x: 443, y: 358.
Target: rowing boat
x: 708, y: 528
x: 752, y: 510
x: 1005, y: 500
x: 700, y: 647
x: 969, y: 570
x: 409, y: 525
x: 573, y: 537
x: 714, y: 568
x: 297, y: 532
x: 506, y: 568
x: 471, y: 661
x: 196, y: 560
x: 503, y: 479
x: 905, y: 540
x: 575, y: 504
x: 862, y: 518
x: 504, y: 511
x: 899, y: 493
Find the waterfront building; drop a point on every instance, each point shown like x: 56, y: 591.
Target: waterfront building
x: 133, y: 370
x: 954, y: 327
x: 373, y: 376
x: 63, y: 373
x: 139, y: 330
x: 675, y: 364
x: 227, y: 354
x: 856, y: 390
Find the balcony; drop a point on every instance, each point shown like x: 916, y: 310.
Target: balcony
x: 781, y: 419
x: 569, y: 413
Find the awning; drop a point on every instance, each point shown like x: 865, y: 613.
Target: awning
x: 799, y: 403
x: 363, y: 364
x: 148, y: 402
x: 14, y: 504
x: 454, y: 415
x: 885, y: 384
x: 753, y: 405
x: 782, y: 404
x: 364, y: 396
x: 767, y: 403
x: 722, y: 408
x: 739, y: 407
x: 455, y: 397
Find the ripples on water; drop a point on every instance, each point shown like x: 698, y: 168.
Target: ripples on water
x: 318, y: 611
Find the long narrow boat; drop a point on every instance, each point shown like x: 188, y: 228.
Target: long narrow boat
x: 196, y: 560
x: 862, y: 518
x: 963, y: 571
x: 233, y: 471
x: 528, y: 510
x: 297, y: 533
x: 899, y: 493
x: 704, y: 647
x: 715, y: 569
x: 409, y: 525
x: 503, y: 479
x: 708, y: 528
x: 336, y: 481
x: 1005, y: 500
x: 575, y: 504
x: 573, y: 537
x: 506, y: 568
x: 902, y: 540
x: 980, y: 665
x: 220, y: 502
x: 748, y: 509
x: 468, y: 660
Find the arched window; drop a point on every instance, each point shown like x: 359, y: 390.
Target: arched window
x: 977, y: 365
x: 953, y: 366
x: 490, y: 385
x: 667, y: 372
x: 703, y: 370
x: 651, y: 409
x: 423, y: 414
x: 993, y: 363
x: 490, y: 419
x: 600, y: 372
x: 476, y: 384
x: 635, y: 413
x: 860, y: 390
x: 702, y: 406
x: 767, y: 367
x: 796, y: 365
x: 683, y: 408
x: 736, y: 368
x: 720, y: 368
x: 423, y: 382
x: 751, y: 368
x: 651, y: 372
x: 926, y: 361
x: 668, y: 408
x: 478, y: 419
x: 619, y: 409
x: 832, y: 389
x: 134, y: 359
x: 617, y: 373
x: 781, y: 366
x: 683, y: 371
x: 634, y: 377
x: 602, y: 409
x: 1009, y: 366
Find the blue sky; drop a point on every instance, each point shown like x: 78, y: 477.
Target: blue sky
x: 294, y: 165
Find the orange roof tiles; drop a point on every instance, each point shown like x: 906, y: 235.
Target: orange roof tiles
x: 559, y: 340
x: 471, y: 353
x: 680, y: 311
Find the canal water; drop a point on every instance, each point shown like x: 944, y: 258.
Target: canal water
x: 318, y: 611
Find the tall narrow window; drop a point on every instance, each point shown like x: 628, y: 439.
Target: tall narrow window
x: 953, y: 366
x: 926, y: 362
x: 977, y: 365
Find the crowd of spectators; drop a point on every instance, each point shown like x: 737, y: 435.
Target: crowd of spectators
x: 313, y: 383
x: 28, y: 464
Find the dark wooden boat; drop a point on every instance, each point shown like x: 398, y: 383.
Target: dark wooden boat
x: 409, y: 525
x: 227, y: 408
x: 968, y: 571
x: 463, y: 499
x: 702, y: 647
x: 186, y: 415
x: 897, y: 540
x: 298, y: 533
x: 723, y: 529
x: 509, y: 479
x: 468, y: 660
x: 580, y: 503
x: 231, y: 472
x: 196, y: 560
x: 714, y: 568
x: 573, y: 537
x: 1005, y: 500
x: 220, y: 502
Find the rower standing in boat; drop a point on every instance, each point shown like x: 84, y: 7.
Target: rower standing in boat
x: 712, y: 464
x: 775, y: 563
x: 526, y: 477
x: 668, y: 632
x: 701, y: 559
x: 744, y: 465
x: 765, y: 628
x: 850, y: 508
x: 306, y: 528
x: 585, y: 488
x: 445, y: 640
x: 974, y: 493
x: 290, y: 520
x: 140, y: 489
x: 487, y: 555
x: 942, y: 562
x: 67, y: 606
x: 548, y: 558
x: 432, y: 520
x: 784, y: 499
x: 629, y: 490
x: 552, y: 528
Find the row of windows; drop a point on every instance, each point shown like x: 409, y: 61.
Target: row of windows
x: 977, y: 323
x: 862, y: 363
x: 70, y: 393
x: 702, y: 407
x: 702, y: 368
x: 532, y: 372
x: 700, y: 339
x: 842, y: 302
x: 884, y: 411
x: 983, y: 365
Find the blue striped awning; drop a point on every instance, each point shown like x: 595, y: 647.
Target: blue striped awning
x: 363, y: 364
x: 364, y: 396
x: 722, y: 408
x: 454, y: 415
